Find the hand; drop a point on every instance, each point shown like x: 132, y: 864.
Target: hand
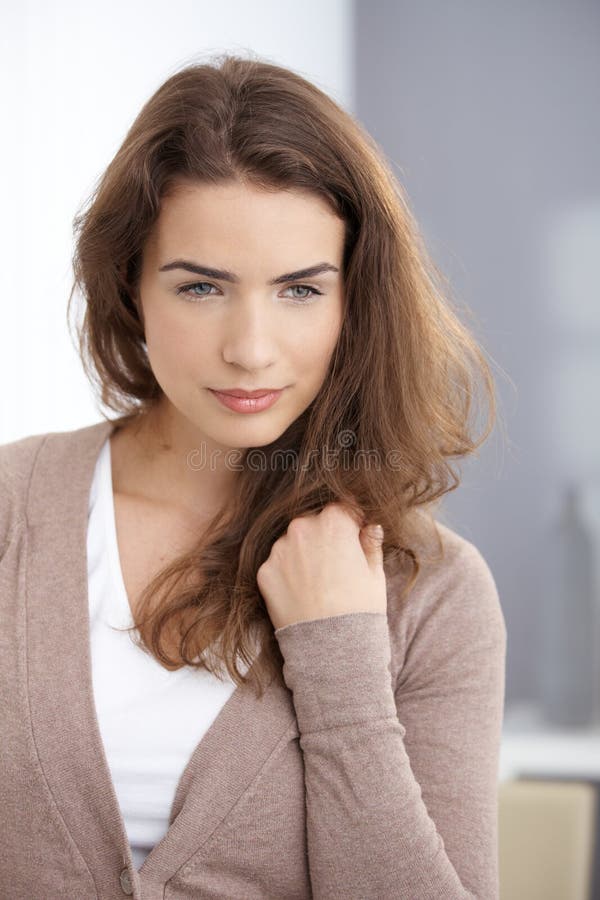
x: 326, y: 564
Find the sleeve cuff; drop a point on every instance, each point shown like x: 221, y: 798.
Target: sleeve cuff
x: 338, y: 669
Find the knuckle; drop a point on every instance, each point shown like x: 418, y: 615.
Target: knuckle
x: 297, y: 524
x: 335, y: 509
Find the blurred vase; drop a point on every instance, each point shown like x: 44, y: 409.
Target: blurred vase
x: 569, y: 625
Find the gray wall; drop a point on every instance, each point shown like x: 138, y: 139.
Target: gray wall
x: 489, y: 116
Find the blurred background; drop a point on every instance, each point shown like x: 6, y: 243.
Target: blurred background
x: 488, y: 115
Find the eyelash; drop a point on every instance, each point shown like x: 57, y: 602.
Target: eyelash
x: 186, y: 289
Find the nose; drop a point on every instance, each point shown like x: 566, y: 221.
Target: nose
x: 249, y: 336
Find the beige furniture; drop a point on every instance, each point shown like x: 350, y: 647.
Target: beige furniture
x: 546, y: 839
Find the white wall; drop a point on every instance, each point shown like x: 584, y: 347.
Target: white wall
x: 73, y: 76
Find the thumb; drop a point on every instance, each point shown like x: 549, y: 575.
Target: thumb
x: 371, y: 537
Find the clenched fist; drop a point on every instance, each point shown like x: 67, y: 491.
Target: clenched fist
x: 325, y: 564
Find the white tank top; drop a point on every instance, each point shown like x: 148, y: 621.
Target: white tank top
x: 150, y: 719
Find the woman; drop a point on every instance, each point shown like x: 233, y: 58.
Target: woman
x: 218, y: 679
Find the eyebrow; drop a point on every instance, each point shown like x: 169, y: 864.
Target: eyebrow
x: 224, y: 275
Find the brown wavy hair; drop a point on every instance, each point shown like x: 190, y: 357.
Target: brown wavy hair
x: 402, y: 379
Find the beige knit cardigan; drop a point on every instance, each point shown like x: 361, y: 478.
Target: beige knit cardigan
x: 367, y: 770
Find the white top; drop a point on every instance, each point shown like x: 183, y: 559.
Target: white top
x: 150, y: 719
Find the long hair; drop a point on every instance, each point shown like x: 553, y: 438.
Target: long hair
x: 396, y: 405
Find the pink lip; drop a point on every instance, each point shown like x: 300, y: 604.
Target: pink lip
x: 239, y: 392
x: 247, y: 404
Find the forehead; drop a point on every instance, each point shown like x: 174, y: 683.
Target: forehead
x: 235, y: 217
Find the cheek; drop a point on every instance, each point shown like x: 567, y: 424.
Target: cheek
x: 326, y: 334
x: 170, y: 339
x: 313, y: 346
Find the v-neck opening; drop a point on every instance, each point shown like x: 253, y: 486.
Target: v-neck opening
x: 106, y: 494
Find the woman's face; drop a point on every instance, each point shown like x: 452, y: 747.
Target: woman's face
x: 258, y: 327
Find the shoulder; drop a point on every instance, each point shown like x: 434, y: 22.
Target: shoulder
x: 453, y: 606
x: 17, y: 461
x: 58, y: 452
x: 17, y: 457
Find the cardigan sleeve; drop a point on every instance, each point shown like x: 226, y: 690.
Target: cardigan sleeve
x: 401, y: 779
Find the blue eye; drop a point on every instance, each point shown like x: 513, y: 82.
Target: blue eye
x: 189, y: 288
x: 305, y: 287
x: 189, y: 291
